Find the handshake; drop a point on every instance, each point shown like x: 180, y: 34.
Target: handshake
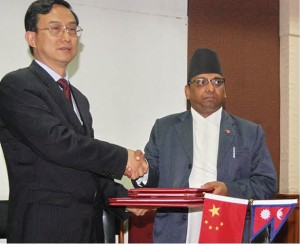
x: 137, y: 165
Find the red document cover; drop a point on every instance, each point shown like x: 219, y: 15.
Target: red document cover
x: 156, y: 202
x: 168, y: 192
x: 161, y: 197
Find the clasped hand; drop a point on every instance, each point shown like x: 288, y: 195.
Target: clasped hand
x: 137, y: 166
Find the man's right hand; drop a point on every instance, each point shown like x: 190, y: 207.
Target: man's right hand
x: 136, y: 164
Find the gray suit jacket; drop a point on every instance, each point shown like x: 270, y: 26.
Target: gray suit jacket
x: 250, y: 175
x: 60, y: 177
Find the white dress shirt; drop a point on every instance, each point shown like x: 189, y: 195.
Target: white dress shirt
x: 205, y: 148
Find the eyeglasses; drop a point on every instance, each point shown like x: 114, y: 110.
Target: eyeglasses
x: 201, y: 82
x: 58, y: 30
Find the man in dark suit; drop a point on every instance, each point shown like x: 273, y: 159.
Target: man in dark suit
x: 205, y: 147
x: 60, y: 177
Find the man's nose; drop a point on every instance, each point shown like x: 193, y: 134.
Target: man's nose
x: 66, y: 34
x: 209, y: 87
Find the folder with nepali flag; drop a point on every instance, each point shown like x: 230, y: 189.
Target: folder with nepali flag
x: 223, y: 219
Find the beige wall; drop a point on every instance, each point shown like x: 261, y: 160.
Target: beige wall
x: 289, y: 96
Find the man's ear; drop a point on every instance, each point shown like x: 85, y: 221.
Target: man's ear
x: 30, y: 38
x: 187, y: 92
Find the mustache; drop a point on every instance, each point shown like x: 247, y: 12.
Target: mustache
x: 209, y: 96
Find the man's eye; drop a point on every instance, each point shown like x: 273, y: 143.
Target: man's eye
x: 55, y: 27
x: 218, y: 82
x: 201, y: 82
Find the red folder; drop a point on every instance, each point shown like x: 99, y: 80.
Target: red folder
x: 161, y: 197
x: 168, y: 192
x: 156, y: 202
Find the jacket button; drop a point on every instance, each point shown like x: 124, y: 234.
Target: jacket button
x: 183, y: 217
x: 189, y: 166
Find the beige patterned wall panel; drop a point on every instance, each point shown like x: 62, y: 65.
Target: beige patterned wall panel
x: 290, y: 105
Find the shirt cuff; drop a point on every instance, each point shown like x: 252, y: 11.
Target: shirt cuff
x: 142, y: 181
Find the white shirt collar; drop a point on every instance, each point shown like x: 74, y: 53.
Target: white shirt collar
x: 51, y: 72
x: 213, y: 118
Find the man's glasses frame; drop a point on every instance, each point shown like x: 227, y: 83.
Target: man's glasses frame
x: 57, y: 30
x: 202, y: 82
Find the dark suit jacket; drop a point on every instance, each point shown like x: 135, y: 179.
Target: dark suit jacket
x: 169, y: 152
x: 60, y: 177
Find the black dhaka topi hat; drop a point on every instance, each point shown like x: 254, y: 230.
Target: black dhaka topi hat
x: 203, y: 61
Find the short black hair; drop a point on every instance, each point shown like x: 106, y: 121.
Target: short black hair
x: 42, y: 7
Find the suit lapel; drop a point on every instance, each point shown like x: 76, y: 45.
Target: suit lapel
x: 83, y: 110
x: 227, y: 134
x: 56, y: 93
x: 185, y: 133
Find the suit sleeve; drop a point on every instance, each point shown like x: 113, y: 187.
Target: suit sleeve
x: 108, y: 188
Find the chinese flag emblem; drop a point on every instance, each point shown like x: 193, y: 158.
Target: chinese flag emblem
x: 223, y: 219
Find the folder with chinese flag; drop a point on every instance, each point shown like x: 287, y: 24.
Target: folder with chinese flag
x: 223, y: 219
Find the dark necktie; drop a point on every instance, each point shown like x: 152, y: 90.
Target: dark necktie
x: 66, y: 88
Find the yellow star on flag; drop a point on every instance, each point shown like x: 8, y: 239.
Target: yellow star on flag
x: 214, y: 211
